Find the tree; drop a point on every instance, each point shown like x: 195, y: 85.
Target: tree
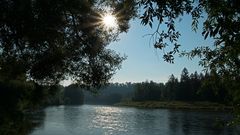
x: 147, y: 91
x: 73, y: 95
x: 45, y: 41
x: 184, y: 91
x: 222, y: 23
x: 185, y: 75
x: 49, y: 40
x: 195, y: 84
x: 172, y: 88
x: 214, y: 89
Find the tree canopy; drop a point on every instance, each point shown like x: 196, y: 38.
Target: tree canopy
x: 221, y: 23
x: 45, y: 41
x: 48, y: 40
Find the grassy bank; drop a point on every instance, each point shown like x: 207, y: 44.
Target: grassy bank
x: 177, y: 105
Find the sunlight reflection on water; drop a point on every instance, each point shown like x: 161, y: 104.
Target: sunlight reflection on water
x: 107, y: 120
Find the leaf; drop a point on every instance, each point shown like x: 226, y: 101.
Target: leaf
x: 216, y: 30
x: 150, y: 24
x: 206, y: 35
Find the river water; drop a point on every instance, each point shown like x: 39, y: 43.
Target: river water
x: 108, y: 120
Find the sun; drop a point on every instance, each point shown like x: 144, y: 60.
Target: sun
x: 109, y: 21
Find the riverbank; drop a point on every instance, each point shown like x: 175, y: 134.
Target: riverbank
x: 177, y: 105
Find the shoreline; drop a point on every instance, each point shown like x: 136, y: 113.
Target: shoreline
x: 209, y: 106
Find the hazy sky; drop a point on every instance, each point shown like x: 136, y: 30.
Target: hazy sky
x: 144, y: 62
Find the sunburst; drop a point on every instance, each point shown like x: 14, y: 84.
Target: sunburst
x: 106, y: 20
x: 109, y: 21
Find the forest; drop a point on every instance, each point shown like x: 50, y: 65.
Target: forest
x: 191, y: 87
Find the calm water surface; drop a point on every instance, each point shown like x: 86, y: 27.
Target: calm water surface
x: 107, y: 120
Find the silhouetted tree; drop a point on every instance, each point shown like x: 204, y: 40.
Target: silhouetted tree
x: 111, y: 94
x: 191, y: 88
x: 172, y: 87
x: 73, y: 95
x: 195, y: 85
x: 221, y: 23
x: 184, y: 91
x: 147, y: 91
x: 44, y: 41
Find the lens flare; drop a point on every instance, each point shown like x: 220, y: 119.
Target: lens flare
x: 109, y: 21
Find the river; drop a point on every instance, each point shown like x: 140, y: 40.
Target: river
x: 109, y: 120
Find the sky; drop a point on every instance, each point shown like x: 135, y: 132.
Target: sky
x: 145, y: 63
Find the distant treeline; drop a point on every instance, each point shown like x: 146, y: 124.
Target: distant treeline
x: 70, y: 95
x: 74, y: 95
x: 111, y: 94
x: 190, y: 87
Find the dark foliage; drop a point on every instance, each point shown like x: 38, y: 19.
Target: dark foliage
x: 51, y: 39
x: 221, y: 23
x: 111, y: 94
x: 193, y: 87
x: 44, y: 41
x: 73, y: 95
